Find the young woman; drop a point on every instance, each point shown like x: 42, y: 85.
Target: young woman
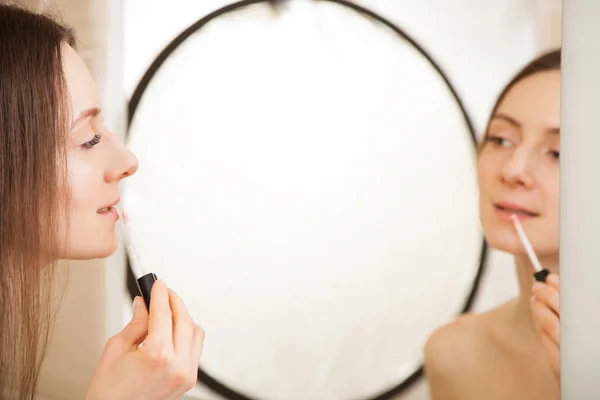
x: 498, y: 354
x: 59, y: 171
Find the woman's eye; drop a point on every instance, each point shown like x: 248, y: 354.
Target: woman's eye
x: 95, y: 140
x: 555, y: 154
x: 499, y: 141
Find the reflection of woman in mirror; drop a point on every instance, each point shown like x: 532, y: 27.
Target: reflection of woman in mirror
x: 500, y: 354
x: 59, y: 173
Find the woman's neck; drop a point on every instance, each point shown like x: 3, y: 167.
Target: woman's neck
x: 525, y: 280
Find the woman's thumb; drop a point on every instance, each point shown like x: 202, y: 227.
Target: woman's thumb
x: 136, y: 330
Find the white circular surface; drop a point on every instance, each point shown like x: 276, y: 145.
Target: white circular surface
x: 307, y: 185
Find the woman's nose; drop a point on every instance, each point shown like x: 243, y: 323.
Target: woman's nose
x: 517, y: 170
x: 126, y: 165
x: 131, y: 164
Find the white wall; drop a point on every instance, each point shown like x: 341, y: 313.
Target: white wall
x: 549, y: 24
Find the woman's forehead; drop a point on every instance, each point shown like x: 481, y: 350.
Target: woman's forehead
x: 535, y: 99
x: 83, y: 93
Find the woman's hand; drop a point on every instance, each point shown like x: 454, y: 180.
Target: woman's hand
x: 546, y: 317
x: 164, y: 367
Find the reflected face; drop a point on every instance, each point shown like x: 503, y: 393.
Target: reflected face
x: 97, y: 162
x: 518, y: 167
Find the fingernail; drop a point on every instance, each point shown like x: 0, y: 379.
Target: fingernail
x: 172, y: 291
x: 136, y: 305
x: 553, y: 278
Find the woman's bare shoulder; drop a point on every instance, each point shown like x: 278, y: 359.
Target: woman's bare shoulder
x: 448, y: 355
x: 454, y: 343
x: 453, y: 352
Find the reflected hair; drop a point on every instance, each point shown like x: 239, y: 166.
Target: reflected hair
x: 34, y: 115
x: 547, y: 61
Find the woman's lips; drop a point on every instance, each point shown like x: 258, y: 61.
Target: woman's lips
x: 110, y: 212
x: 505, y: 210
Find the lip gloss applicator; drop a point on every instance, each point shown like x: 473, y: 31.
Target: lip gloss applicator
x: 541, y: 273
x: 146, y: 281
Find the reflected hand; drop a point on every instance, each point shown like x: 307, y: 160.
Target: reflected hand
x: 546, y: 318
x: 155, y: 357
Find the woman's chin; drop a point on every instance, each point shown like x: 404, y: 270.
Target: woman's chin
x: 88, y: 253
x: 504, y: 241
x: 508, y: 241
x: 108, y: 250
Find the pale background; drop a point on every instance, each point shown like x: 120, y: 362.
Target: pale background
x: 78, y: 341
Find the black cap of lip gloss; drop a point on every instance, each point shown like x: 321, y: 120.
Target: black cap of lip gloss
x: 145, y: 285
x: 541, y: 276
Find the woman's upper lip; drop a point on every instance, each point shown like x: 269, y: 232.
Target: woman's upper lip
x: 515, y: 207
x: 114, y: 203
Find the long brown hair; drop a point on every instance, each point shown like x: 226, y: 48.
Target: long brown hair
x: 34, y: 117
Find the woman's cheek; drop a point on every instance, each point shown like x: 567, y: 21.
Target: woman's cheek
x: 82, y: 182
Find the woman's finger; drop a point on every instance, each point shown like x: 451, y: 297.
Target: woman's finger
x: 546, y: 321
x: 183, y: 327
x: 553, y: 280
x: 136, y: 330
x: 132, y: 334
x: 198, y: 344
x: 160, y: 322
x: 553, y: 353
x: 548, y: 295
x: 194, y: 355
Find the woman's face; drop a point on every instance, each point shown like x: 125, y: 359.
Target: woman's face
x: 518, y: 167
x: 97, y: 162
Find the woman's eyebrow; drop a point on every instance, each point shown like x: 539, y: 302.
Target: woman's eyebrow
x: 508, y: 119
x: 90, y: 112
